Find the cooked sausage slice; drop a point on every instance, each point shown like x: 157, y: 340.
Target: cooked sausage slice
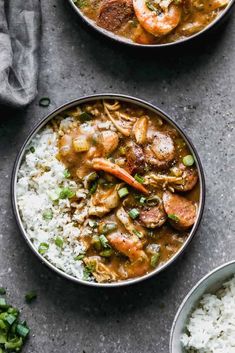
x: 114, y: 13
x: 181, y: 211
x: 161, y: 151
x: 190, y: 178
x: 135, y: 158
x: 153, y: 217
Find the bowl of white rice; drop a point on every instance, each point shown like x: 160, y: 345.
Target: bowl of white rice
x: 205, y: 321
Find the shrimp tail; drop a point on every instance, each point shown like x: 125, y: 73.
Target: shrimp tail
x: 109, y: 167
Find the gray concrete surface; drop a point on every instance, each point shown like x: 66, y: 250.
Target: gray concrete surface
x: 196, y: 87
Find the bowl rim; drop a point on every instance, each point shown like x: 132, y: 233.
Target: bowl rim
x: 68, y: 105
x: 190, y: 293
x: 121, y: 40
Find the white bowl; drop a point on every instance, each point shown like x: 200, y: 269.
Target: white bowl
x: 208, y: 284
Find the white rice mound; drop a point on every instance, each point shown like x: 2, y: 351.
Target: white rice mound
x: 211, y: 327
x: 39, y: 178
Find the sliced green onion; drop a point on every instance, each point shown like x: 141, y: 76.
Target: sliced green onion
x: 139, y: 234
x: 59, y: 242
x: 139, y: 178
x: 92, y: 223
x: 16, y: 343
x: 2, y: 291
x: 106, y: 253
x: 66, y: 173
x: 3, y: 304
x: 95, y: 241
x: 13, y: 311
x: 22, y: 330
x: 44, y: 102
x: 32, y: 149
x: 30, y: 296
x: 10, y: 319
x: 134, y: 213
x: 93, y: 187
x: 153, y: 200
x: 104, y: 241
x: 155, y: 259
x: 47, y: 215
x: 66, y: 193
x: 109, y: 227
x: 123, y: 192
x: 43, y: 247
x: 84, y: 116
x: 79, y: 257
x: 173, y: 217
x: 142, y: 200
x: 188, y: 160
x: 88, y: 271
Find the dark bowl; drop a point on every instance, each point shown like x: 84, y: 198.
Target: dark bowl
x: 142, y: 104
x: 180, y: 43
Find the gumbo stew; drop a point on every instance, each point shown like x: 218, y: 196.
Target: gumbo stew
x: 141, y: 186
x: 152, y: 21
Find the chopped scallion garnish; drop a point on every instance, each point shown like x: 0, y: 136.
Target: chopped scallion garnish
x: 139, y: 234
x: 32, y: 149
x: 173, y: 217
x: 30, y: 296
x: 106, y: 253
x: 47, y: 215
x: 43, y: 247
x: 142, y: 200
x: 2, y: 291
x: 44, y: 102
x: 104, y: 241
x: 139, y: 178
x: 188, y: 160
x: 66, y: 193
x: 22, y: 330
x: 134, y: 213
x: 79, y: 257
x: 155, y: 259
x: 59, y: 242
x: 123, y: 192
x: 67, y: 173
x: 84, y: 116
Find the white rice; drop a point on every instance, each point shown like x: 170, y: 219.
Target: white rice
x: 39, y: 177
x: 211, y: 327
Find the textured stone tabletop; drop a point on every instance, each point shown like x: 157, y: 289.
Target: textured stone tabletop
x: 196, y: 87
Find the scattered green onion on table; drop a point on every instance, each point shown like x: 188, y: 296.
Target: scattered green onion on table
x: 13, y: 332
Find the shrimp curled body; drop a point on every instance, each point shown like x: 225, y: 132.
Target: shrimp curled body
x: 154, y: 23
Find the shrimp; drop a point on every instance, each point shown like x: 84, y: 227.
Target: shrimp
x: 109, y: 167
x: 158, y: 24
x: 131, y: 247
x: 103, y: 201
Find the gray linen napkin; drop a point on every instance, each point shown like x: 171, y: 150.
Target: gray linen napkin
x: 19, y: 51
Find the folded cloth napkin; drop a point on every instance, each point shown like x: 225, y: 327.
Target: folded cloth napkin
x: 19, y: 51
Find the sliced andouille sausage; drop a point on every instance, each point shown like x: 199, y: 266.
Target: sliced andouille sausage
x: 161, y: 151
x: 190, y: 178
x: 153, y: 217
x: 135, y: 161
x: 114, y: 13
x: 180, y: 211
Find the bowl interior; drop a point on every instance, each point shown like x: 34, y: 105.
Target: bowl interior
x: 140, y: 103
x: 208, y: 284
x: 130, y: 43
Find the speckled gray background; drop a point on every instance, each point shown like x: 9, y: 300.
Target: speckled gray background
x: 196, y: 87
